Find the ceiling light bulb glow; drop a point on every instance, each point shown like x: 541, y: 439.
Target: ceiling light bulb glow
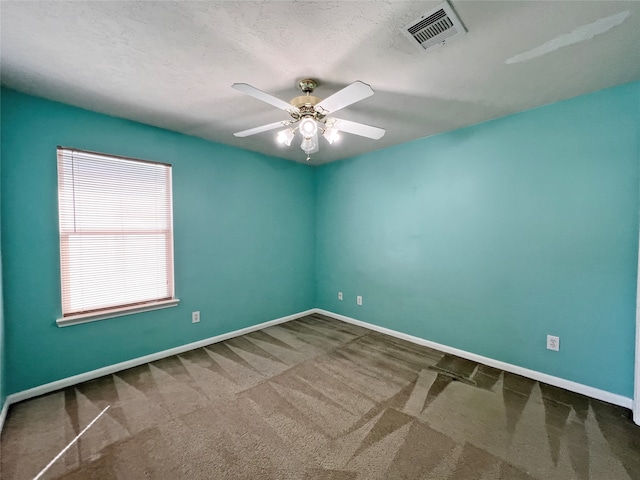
x: 308, y: 127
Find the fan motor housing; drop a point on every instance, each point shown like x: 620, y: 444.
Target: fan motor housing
x: 305, y: 100
x: 306, y: 106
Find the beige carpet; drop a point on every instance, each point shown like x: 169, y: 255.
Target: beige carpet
x: 316, y: 398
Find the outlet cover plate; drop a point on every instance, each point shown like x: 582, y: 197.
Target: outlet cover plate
x: 553, y: 343
x: 195, y: 317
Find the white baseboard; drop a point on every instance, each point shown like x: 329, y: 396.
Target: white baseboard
x: 100, y: 372
x: 507, y: 367
x: 93, y: 374
x: 3, y: 413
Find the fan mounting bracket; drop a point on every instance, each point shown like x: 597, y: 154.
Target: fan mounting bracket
x: 307, y: 85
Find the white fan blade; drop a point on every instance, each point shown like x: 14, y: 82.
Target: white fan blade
x: 263, y: 128
x: 358, y: 128
x: 342, y: 98
x: 265, y: 97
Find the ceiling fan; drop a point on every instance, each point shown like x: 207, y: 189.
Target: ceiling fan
x: 310, y: 115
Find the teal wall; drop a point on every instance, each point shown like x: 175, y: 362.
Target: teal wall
x: 490, y: 237
x: 3, y: 362
x: 486, y: 239
x: 244, y: 240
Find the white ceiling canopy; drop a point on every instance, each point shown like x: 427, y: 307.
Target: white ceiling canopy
x: 172, y: 64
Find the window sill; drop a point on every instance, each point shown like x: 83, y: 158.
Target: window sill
x: 115, y: 312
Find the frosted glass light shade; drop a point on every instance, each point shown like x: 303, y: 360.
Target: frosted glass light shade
x: 331, y: 135
x: 285, y: 136
x: 308, y: 144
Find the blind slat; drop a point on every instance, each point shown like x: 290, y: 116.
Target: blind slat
x: 116, y: 231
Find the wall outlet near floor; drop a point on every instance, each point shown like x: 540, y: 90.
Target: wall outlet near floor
x: 359, y: 299
x: 339, y: 295
x: 553, y: 343
x: 195, y: 317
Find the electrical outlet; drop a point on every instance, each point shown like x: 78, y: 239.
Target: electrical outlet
x: 359, y: 299
x: 339, y: 295
x: 553, y: 343
x: 195, y: 317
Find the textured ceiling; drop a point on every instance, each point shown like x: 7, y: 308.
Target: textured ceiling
x: 172, y: 64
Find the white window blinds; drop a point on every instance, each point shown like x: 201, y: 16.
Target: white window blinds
x: 116, y: 231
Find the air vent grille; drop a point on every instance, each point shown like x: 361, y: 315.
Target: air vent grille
x: 435, y: 28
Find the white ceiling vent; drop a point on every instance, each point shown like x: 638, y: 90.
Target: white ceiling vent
x: 435, y: 28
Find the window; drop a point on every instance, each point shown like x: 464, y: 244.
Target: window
x: 116, y: 235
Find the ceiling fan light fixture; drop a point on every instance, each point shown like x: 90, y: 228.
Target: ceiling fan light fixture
x: 308, y: 127
x: 285, y: 137
x: 309, y: 115
x: 331, y: 135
